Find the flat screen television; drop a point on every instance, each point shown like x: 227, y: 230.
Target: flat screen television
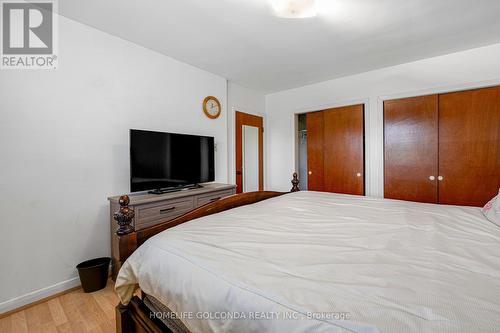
x: 168, y: 161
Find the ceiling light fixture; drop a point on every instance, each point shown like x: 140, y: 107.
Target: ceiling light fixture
x: 294, y: 8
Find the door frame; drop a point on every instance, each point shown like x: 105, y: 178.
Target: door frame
x: 231, y: 141
x: 240, y: 119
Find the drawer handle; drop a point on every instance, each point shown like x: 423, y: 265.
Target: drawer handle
x: 215, y: 199
x: 166, y: 210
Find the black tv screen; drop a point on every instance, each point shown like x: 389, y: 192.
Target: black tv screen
x: 167, y: 160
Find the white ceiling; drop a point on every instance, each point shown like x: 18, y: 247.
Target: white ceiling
x: 244, y: 42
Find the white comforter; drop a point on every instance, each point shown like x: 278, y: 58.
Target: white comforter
x: 320, y: 262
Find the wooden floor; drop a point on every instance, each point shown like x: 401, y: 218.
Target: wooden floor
x: 72, y: 312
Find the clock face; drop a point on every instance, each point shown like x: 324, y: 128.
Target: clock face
x: 211, y: 107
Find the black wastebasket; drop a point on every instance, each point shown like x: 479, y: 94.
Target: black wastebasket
x: 93, y: 274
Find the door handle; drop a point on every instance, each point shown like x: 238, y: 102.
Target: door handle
x: 358, y: 174
x: 440, y: 178
x: 432, y: 178
x: 238, y: 173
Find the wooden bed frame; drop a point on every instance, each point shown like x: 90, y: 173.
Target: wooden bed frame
x: 136, y: 317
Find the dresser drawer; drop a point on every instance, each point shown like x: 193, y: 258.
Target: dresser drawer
x: 148, y: 215
x: 210, y: 197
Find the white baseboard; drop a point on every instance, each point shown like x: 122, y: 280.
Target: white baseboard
x: 37, y: 295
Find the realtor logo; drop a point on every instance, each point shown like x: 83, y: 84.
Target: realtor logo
x: 28, y: 35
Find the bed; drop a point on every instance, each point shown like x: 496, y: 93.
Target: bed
x: 315, y: 262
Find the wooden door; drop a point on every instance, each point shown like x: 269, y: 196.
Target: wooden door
x: 469, y: 146
x: 243, y: 119
x: 343, y: 140
x: 411, y: 149
x: 315, y: 160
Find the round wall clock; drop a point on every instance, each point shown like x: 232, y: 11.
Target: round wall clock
x: 211, y: 107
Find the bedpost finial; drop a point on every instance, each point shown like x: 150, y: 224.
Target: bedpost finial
x: 124, y: 200
x: 124, y: 216
x: 295, y: 183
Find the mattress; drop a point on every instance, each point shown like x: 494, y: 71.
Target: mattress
x: 166, y: 316
x: 322, y: 262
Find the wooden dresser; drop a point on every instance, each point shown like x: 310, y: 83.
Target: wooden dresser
x: 151, y: 209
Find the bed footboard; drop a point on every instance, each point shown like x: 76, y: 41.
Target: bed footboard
x: 135, y: 316
x: 129, y: 239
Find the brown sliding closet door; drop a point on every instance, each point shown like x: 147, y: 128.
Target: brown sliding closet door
x: 411, y: 149
x: 335, y: 150
x: 344, y: 150
x: 469, y: 146
x: 315, y: 157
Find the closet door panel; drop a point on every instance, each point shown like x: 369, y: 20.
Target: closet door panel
x: 411, y: 149
x: 344, y: 150
x: 469, y: 146
x: 315, y: 153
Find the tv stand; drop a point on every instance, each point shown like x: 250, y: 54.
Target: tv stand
x: 175, y: 189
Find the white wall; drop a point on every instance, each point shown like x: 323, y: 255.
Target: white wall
x: 244, y: 100
x: 64, y: 149
x: 463, y: 70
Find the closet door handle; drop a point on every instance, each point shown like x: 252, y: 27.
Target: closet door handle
x: 358, y: 174
x: 310, y: 172
x: 432, y: 178
x: 440, y: 178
